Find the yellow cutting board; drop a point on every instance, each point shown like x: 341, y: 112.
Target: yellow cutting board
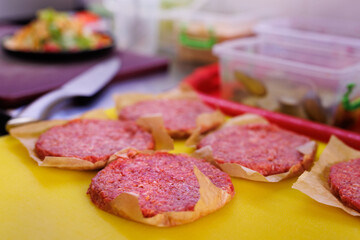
x: 48, y: 203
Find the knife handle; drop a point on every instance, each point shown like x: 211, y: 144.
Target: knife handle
x: 38, y: 109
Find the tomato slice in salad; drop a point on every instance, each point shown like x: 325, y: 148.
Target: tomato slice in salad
x: 86, y: 17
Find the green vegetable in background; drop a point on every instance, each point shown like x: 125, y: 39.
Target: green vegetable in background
x: 47, y: 15
x: 83, y: 42
x: 346, y: 99
x: 50, y: 15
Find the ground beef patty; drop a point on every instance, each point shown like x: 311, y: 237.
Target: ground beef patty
x: 264, y: 148
x: 344, y: 180
x: 164, y: 182
x: 92, y: 140
x: 179, y: 114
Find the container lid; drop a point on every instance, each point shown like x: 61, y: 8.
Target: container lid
x: 313, y: 29
x: 246, y: 49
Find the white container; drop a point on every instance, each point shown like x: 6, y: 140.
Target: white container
x: 287, y: 77
x: 338, y: 37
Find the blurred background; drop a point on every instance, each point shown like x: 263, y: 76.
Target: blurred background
x: 17, y: 9
x: 124, y: 12
x: 298, y: 57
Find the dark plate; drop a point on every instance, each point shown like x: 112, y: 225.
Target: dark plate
x: 59, y: 55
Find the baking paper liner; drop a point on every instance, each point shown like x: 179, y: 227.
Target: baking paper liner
x: 204, y: 122
x: 237, y: 170
x: 155, y: 124
x: 315, y: 183
x: 211, y: 198
x: 30, y: 133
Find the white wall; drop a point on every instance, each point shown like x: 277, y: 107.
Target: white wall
x: 342, y: 9
x: 339, y: 9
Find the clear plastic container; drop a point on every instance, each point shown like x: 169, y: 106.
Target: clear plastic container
x: 199, y: 31
x: 279, y: 78
x: 335, y: 36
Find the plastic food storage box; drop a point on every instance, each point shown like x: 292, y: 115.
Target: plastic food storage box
x: 278, y: 78
x: 199, y: 31
x: 338, y: 37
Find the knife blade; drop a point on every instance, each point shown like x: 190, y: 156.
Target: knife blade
x: 86, y: 84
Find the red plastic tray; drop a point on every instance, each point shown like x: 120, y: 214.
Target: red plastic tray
x: 206, y: 82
